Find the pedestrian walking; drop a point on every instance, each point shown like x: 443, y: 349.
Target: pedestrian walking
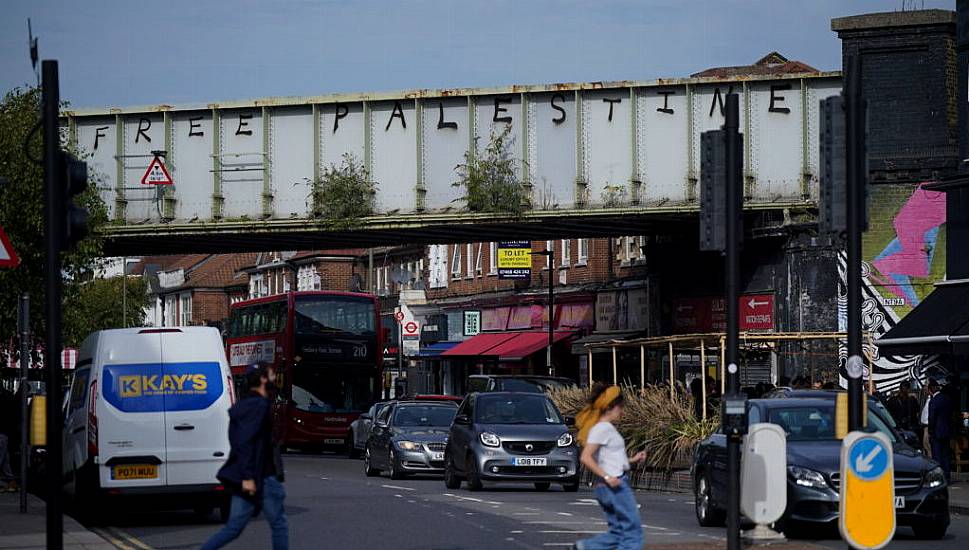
x: 252, y: 472
x: 905, y: 408
x: 604, y: 454
x: 940, y: 426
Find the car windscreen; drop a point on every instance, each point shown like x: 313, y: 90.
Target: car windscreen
x: 816, y: 423
x: 424, y: 415
x: 520, y: 408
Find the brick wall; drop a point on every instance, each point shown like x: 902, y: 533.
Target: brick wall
x: 209, y: 306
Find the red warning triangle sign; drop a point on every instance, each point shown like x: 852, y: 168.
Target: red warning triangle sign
x: 8, y: 257
x: 156, y: 174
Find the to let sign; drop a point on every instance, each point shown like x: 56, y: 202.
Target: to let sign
x: 514, y: 260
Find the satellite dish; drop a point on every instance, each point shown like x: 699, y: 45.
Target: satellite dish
x: 356, y: 283
x: 400, y: 275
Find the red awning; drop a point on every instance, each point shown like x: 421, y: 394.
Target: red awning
x: 506, y: 346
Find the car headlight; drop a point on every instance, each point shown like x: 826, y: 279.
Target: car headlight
x: 807, y: 478
x: 408, y: 446
x: 935, y: 478
x: 490, y: 440
x: 565, y: 440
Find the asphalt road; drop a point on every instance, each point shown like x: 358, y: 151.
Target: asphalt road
x: 331, y: 504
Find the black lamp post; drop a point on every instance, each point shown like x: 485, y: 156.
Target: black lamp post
x: 550, y: 254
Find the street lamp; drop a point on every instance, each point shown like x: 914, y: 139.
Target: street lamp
x: 550, y: 254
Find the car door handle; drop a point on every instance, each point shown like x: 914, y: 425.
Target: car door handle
x: 184, y: 427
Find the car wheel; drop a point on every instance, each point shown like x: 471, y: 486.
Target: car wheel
x: 367, y: 466
x: 474, y: 478
x: 571, y: 487
x: 451, y: 478
x: 395, y: 472
x: 352, y: 451
x: 929, y: 531
x: 706, y: 514
x: 542, y: 485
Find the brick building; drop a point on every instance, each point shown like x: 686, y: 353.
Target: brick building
x: 195, y: 289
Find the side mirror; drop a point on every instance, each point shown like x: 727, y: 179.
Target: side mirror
x: 462, y: 419
x: 569, y: 420
x: 365, y: 416
x: 380, y: 424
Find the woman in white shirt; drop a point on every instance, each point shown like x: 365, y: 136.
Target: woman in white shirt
x: 604, y: 454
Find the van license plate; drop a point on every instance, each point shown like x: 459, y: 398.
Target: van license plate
x: 522, y: 461
x: 333, y: 441
x: 900, y: 502
x: 134, y: 471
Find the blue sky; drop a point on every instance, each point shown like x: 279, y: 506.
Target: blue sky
x: 133, y: 52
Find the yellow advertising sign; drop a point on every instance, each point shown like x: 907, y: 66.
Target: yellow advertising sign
x: 514, y: 258
x: 867, y: 494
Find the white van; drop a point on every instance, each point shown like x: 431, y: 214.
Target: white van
x: 147, y: 416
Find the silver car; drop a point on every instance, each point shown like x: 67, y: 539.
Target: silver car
x: 506, y: 436
x: 408, y: 437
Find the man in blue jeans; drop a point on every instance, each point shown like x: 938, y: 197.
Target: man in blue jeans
x: 254, y: 469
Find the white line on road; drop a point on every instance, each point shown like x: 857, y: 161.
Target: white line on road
x: 557, y: 544
x: 593, y: 522
x: 571, y: 532
x: 398, y: 487
x: 564, y: 514
x: 526, y: 514
x: 585, y: 502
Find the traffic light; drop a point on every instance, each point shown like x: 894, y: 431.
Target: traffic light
x: 713, y: 191
x: 833, y: 207
x: 76, y: 217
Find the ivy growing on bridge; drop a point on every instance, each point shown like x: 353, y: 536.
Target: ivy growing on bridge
x: 490, y: 181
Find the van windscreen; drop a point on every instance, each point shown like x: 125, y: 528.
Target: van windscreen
x: 155, y: 387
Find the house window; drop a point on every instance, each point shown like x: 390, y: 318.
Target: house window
x: 307, y: 278
x: 257, y: 286
x: 456, y: 262
x: 171, y: 311
x: 470, y: 250
x: 185, y: 309
x: 492, y: 258
x: 437, y: 258
x: 477, y: 261
x: 566, y: 253
x: 549, y: 245
x: 583, y: 252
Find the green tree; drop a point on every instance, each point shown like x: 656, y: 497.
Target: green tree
x: 22, y: 217
x: 489, y: 179
x: 344, y: 195
x: 97, y: 305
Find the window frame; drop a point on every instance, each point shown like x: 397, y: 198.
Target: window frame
x: 455, y: 262
x: 492, y: 258
x: 582, y: 252
x: 566, y: 253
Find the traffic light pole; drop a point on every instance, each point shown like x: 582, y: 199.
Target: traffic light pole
x: 734, y: 236
x: 857, y: 171
x: 53, y: 221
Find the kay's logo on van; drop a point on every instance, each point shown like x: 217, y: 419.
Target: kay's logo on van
x: 167, y: 384
x: 155, y: 387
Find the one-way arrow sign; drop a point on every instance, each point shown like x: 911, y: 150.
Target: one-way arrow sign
x: 8, y: 257
x: 753, y: 303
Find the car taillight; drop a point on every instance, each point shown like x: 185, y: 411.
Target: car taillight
x: 92, y: 420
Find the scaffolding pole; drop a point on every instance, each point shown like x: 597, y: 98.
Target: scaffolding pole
x: 672, y: 371
x: 703, y: 376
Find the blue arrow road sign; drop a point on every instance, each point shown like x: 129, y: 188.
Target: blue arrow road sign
x: 868, y: 458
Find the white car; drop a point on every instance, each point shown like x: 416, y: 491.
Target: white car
x: 147, y: 418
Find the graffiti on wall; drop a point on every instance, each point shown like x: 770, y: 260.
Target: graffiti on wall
x: 904, y: 256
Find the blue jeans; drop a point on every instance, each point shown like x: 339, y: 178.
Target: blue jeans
x: 622, y: 513
x: 241, y: 512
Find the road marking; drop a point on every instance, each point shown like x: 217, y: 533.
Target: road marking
x: 112, y: 540
x: 558, y: 544
x: 571, y: 532
x: 516, y: 532
x: 656, y: 527
x: 121, y: 539
x: 398, y: 487
x: 585, y: 502
x: 594, y: 522
x: 564, y: 514
x: 526, y: 514
x: 492, y: 502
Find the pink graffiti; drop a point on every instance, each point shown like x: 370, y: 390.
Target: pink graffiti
x: 924, y: 211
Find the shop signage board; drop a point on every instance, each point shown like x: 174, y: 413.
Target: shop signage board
x: 472, y: 323
x: 514, y: 260
x: 709, y: 314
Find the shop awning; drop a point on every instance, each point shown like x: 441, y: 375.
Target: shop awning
x: 940, y: 324
x: 436, y: 349
x: 505, y: 346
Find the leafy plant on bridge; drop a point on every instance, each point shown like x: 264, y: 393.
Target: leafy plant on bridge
x: 345, y: 194
x: 22, y: 217
x: 613, y: 196
x: 490, y: 181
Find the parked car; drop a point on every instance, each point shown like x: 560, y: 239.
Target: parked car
x: 436, y: 397
x: 360, y: 428
x: 518, y: 383
x: 408, y: 437
x: 813, y: 466
x: 147, y: 418
x: 504, y: 436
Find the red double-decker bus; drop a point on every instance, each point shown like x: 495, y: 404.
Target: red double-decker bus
x: 326, y: 349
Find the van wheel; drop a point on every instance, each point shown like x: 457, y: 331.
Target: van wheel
x: 367, y: 468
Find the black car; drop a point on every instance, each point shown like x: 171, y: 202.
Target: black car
x: 517, y: 382
x: 813, y: 470
x: 360, y: 428
x: 408, y: 437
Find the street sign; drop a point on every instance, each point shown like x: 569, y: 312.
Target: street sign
x: 709, y: 314
x: 8, y: 256
x: 514, y: 260
x: 472, y: 323
x: 399, y: 316
x: 867, y: 494
x: 411, y: 328
x: 156, y: 174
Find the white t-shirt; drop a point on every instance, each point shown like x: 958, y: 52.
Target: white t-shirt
x: 611, y: 455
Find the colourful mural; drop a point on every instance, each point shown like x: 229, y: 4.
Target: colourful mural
x: 904, y: 251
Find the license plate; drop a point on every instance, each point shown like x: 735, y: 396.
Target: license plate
x: 528, y: 461
x: 437, y: 455
x: 134, y: 471
x: 333, y: 441
x: 900, y: 502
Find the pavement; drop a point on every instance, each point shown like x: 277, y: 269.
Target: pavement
x: 959, y: 497
x: 27, y: 531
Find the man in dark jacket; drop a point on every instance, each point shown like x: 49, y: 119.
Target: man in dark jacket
x: 905, y: 408
x: 252, y: 470
x: 940, y: 426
